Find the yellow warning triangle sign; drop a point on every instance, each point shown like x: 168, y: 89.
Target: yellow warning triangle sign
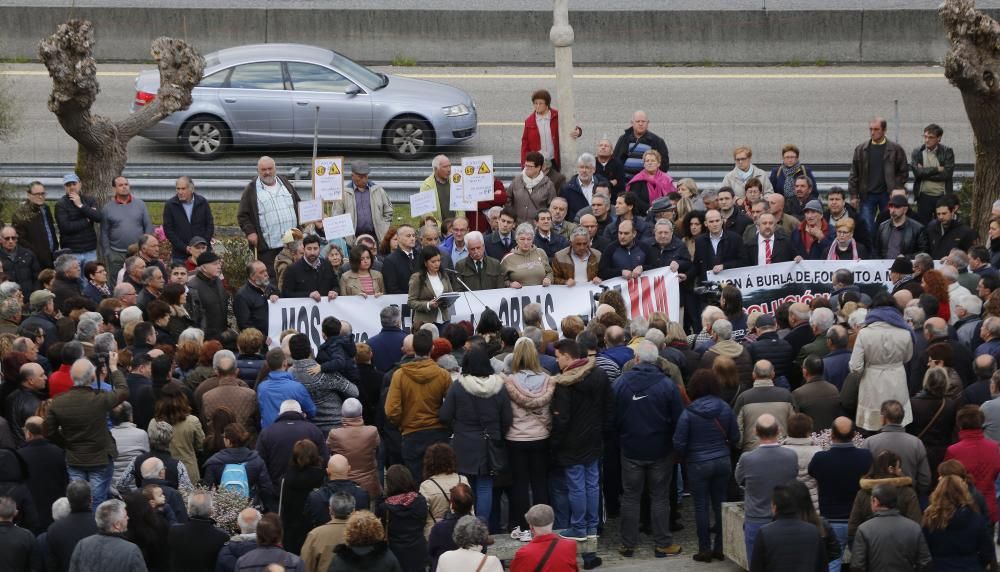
x: 334, y: 169
x: 484, y: 169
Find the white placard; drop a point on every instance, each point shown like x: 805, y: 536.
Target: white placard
x: 338, y: 226
x: 478, y: 181
x: 310, y: 211
x: 328, y: 178
x: 456, y: 196
x: 423, y: 203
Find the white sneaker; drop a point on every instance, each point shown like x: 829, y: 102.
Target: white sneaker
x: 521, y: 535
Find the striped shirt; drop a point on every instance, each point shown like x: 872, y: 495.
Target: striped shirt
x: 277, y: 212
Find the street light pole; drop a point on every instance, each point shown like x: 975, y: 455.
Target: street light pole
x: 561, y: 36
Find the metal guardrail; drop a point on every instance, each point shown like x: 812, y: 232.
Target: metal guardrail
x: 224, y: 182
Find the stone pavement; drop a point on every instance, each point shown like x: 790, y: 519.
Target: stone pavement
x: 608, y: 543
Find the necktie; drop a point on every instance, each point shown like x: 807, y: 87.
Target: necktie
x: 767, y: 251
x: 479, y: 266
x: 506, y: 243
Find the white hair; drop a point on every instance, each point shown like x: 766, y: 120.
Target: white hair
x: 474, y: 236
x: 857, y: 317
x: 822, y: 319
x: 130, y: 315
x: 587, y: 160
x: 109, y: 513
x: 191, y: 334
x: 972, y: 304
x: 290, y: 405
x: 646, y: 352
x: 723, y: 328
x: 524, y: 229
x: 82, y: 372
x: 949, y: 272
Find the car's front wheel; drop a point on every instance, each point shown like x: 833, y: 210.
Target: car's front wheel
x: 408, y: 138
x: 205, y: 138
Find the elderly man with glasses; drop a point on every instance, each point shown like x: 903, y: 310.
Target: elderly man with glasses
x: 36, y: 226
x: 20, y: 263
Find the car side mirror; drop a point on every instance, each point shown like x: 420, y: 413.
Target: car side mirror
x: 353, y: 90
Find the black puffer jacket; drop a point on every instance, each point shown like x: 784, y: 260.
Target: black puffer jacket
x: 582, y: 408
x: 405, y: 515
x: 775, y: 350
x: 76, y: 224
x: 374, y: 558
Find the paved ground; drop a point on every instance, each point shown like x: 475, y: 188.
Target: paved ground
x: 702, y: 112
x: 607, y: 549
x: 506, y: 5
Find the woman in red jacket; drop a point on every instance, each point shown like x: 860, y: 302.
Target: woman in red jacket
x: 541, y: 129
x: 979, y: 455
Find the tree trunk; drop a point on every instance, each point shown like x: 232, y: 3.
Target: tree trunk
x: 103, y: 143
x: 973, y: 66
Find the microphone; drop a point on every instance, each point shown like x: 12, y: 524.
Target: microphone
x: 451, y: 270
x: 467, y: 289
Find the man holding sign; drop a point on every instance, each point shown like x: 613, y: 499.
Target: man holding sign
x: 440, y: 184
x: 368, y: 204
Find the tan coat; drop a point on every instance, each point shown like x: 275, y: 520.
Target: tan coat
x: 359, y: 443
x: 189, y: 438
x: 528, y: 268
x: 350, y: 283
x: 525, y: 204
x: 421, y: 294
x: 438, y: 503
x: 317, y: 552
x: 381, y: 210
x: 562, y: 265
x: 879, y: 353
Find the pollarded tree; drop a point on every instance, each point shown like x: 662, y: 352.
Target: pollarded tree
x: 973, y: 66
x: 103, y: 143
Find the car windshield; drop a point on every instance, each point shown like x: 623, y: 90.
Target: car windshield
x: 366, y: 77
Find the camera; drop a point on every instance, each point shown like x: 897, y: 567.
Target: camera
x: 709, y: 292
x: 597, y: 295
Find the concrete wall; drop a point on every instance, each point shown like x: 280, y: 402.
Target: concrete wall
x: 508, y: 36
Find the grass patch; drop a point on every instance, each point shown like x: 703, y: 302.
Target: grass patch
x: 793, y: 63
x: 224, y: 213
x: 404, y: 62
x: 821, y: 63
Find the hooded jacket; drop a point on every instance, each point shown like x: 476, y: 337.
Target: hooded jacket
x: 647, y: 408
x: 374, y: 558
x: 260, y: 480
x: 582, y: 407
x: 415, y: 395
x: 405, y: 515
x: 532, y: 418
x: 621, y: 355
x: 317, y: 509
x: 733, y: 350
x: 706, y: 430
x: 907, y: 502
x: 477, y: 409
x: 327, y: 390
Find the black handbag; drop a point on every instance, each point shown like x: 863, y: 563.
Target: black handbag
x: 496, y: 449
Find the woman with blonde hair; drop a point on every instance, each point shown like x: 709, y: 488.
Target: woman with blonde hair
x: 650, y: 183
x: 530, y: 390
x: 364, y: 548
x: 688, y: 189
x: 845, y: 247
x: 958, y: 535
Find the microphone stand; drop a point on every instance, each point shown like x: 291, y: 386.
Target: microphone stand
x: 467, y: 291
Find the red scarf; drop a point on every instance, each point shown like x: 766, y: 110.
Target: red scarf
x: 808, y: 239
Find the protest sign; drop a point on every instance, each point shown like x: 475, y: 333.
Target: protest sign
x: 328, y: 178
x: 478, y: 179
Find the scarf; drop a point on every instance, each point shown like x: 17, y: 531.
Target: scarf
x: 789, y: 174
x: 902, y: 280
x: 102, y: 288
x: 658, y: 184
x: 832, y: 255
x: 315, y: 265
x: 744, y: 175
x: 532, y: 183
x: 887, y: 314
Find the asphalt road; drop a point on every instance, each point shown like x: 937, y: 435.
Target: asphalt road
x: 701, y: 112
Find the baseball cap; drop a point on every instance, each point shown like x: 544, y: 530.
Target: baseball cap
x: 196, y: 240
x: 207, y: 257
x: 813, y: 205
x: 70, y: 178
x: 360, y: 167
x: 40, y: 297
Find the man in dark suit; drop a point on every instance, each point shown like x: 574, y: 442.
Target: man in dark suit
x: 717, y: 249
x: 545, y: 238
x: 185, y: 216
x: 499, y: 243
x: 46, y: 464
x: 310, y: 276
x: 402, y: 262
x: 479, y: 271
x: 765, y: 242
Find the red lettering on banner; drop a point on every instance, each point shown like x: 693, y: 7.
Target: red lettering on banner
x: 647, y: 296
x: 634, y: 295
x: 660, y: 295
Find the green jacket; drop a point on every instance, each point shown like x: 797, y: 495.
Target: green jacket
x: 77, y: 420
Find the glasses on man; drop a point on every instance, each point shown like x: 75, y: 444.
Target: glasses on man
x: 9, y: 238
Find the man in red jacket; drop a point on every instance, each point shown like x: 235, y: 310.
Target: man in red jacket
x: 546, y: 551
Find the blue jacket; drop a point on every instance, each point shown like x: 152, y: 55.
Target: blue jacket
x: 704, y: 429
x: 617, y: 258
x: 619, y: 354
x: 965, y: 544
x: 573, y: 194
x: 991, y: 347
x: 336, y: 355
x: 277, y: 387
x: 554, y: 244
x: 647, y: 407
x: 387, y: 348
x: 836, y: 368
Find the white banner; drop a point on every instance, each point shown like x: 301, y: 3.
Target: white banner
x: 767, y: 286
x: 654, y: 291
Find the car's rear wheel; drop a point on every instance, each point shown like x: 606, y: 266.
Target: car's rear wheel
x: 408, y: 138
x: 205, y: 138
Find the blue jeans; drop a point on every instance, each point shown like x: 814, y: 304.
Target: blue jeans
x: 583, y: 484
x: 840, y: 529
x: 482, y: 487
x: 708, y: 481
x: 881, y: 201
x: 99, y: 480
x: 751, y: 526
x: 559, y: 496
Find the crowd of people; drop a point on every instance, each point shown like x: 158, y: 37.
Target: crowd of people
x: 141, y: 390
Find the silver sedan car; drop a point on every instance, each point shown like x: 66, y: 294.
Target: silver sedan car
x: 280, y: 94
